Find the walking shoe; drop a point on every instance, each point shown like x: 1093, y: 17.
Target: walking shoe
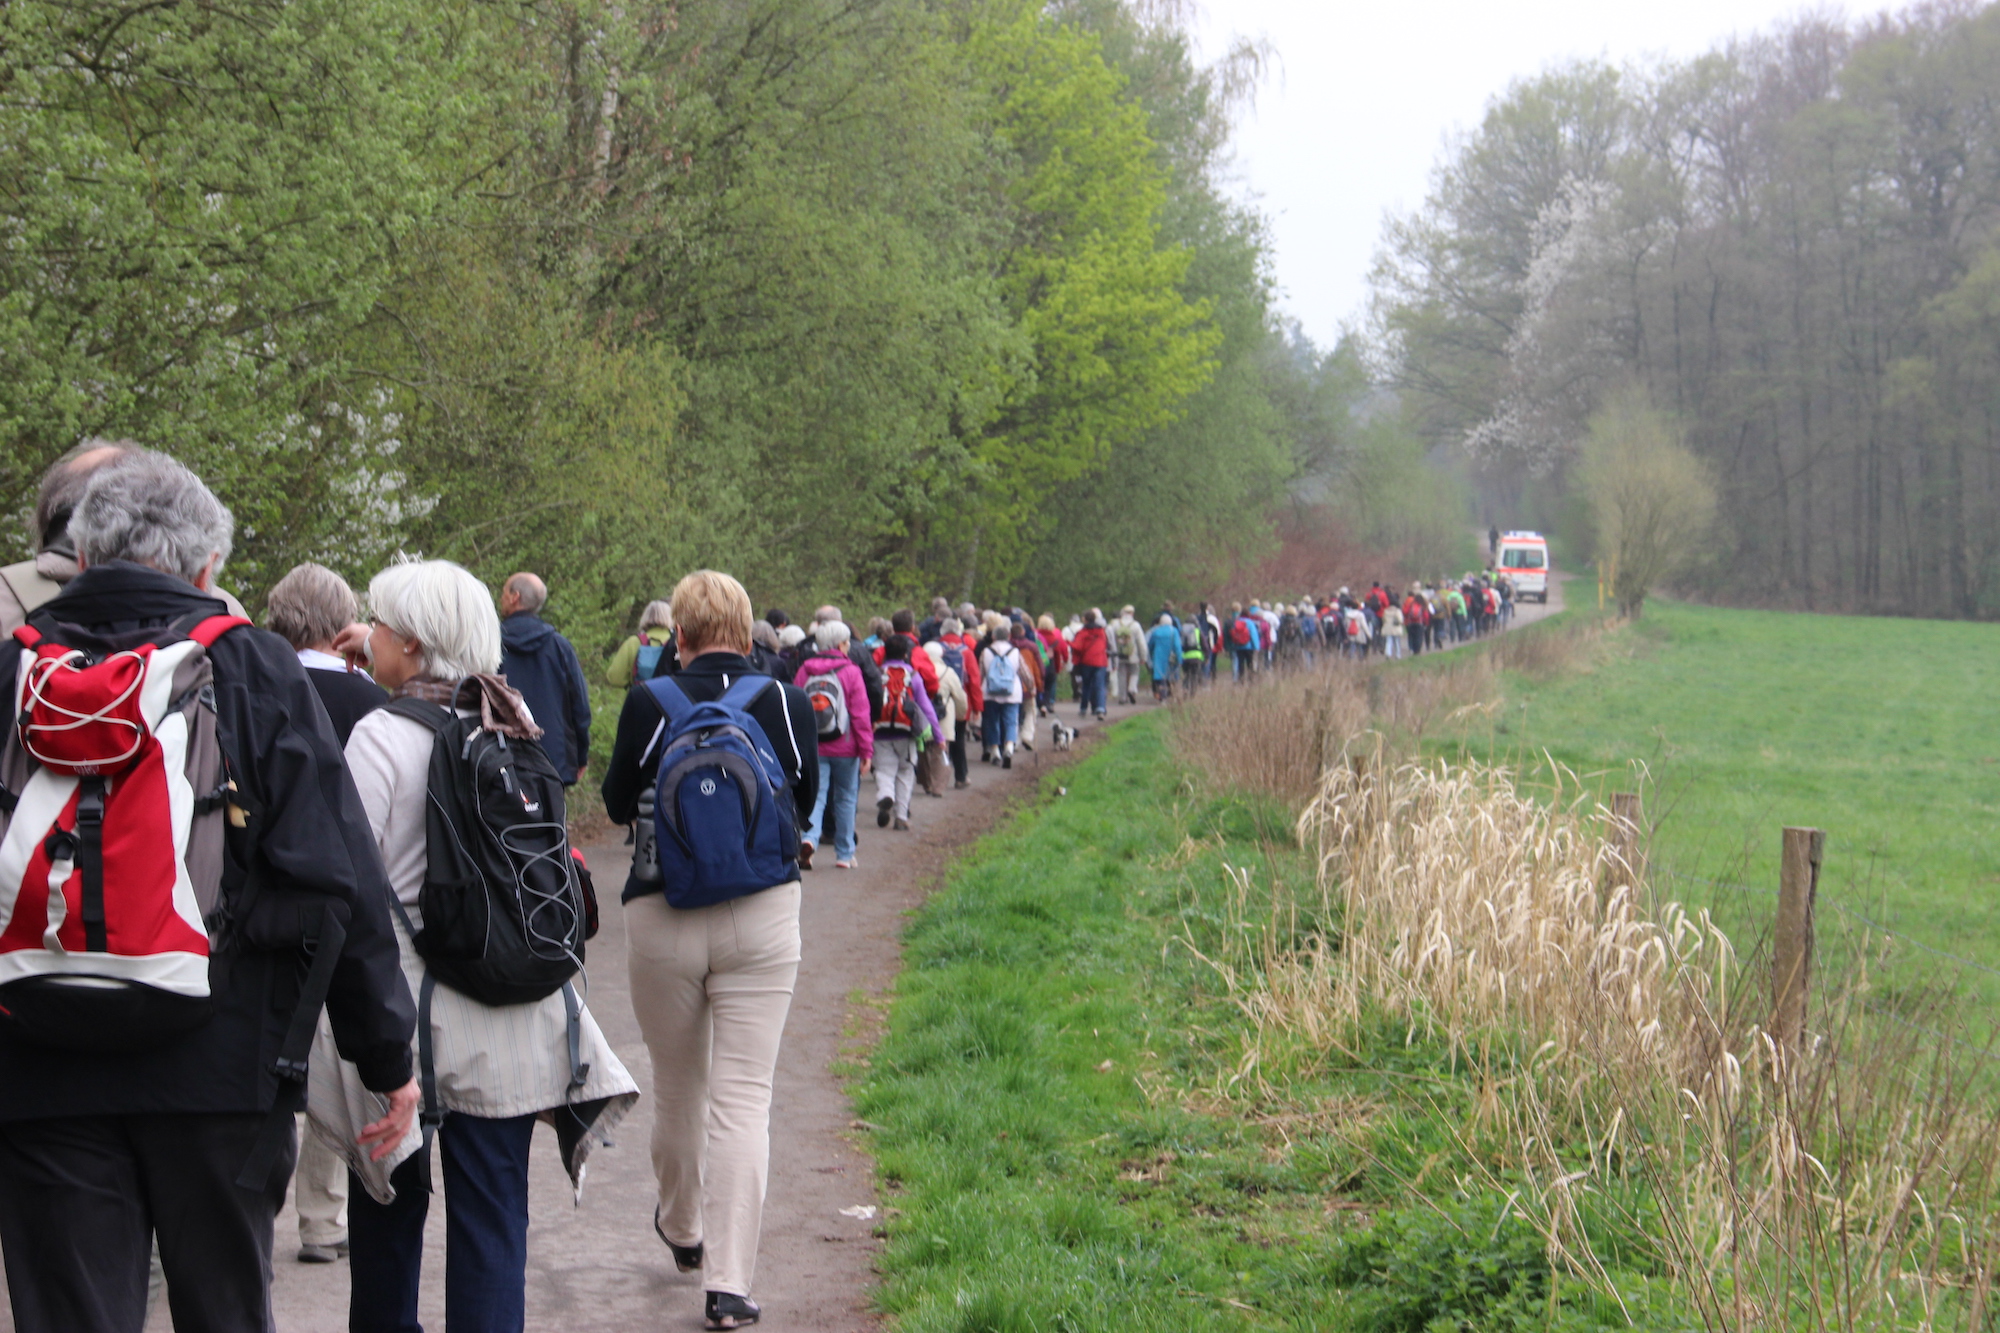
x: 726, y: 1310
x: 902, y: 825
x: 960, y: 785
x: 1027, y: 745
x: 322, y: 1254
x: 882, y: 809
x: 806, y: 851
x: 1008, y: 762
x: 843, y: 865
x: 687, y: 1258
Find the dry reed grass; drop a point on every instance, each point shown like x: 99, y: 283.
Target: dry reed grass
x: 1847, y: 1184
x: 1275, y: 736
x: 1618, y: 1049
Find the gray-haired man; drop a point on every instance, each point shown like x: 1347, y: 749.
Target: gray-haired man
x: 102, y: 1151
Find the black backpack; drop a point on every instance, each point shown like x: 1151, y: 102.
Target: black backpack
x: 506, y: 911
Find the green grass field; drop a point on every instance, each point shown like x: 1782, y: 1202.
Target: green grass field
x: 1069, y: 1145
x: 1885, y: 733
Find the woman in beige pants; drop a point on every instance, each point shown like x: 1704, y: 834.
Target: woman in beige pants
x: 712, y: 985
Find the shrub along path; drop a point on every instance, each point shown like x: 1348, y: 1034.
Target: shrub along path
x: 599, y: 1266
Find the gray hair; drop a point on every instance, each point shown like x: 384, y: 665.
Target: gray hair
x: 657, y: 615
x: 310, y: 605
x: 826, y: 615
x: 534, y: 593
x: 150, y: 509
x: 62, y: 486
x: 832, y: 635
x: 951, y: 625
x: 446, y: 610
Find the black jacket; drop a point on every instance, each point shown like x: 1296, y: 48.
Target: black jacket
x: 542, y: 665
x: 307, y: 830
x: 871, y: 676
x: 348, y: 697
x: 782, y: 711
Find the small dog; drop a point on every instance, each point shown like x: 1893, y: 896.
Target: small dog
x: 1061, y: 735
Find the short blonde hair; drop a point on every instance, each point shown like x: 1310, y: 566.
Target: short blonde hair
x: 446, y: 610
x: 310, y: 605
x: 711, y: 610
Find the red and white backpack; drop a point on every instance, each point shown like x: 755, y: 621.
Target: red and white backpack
x: 115, y: 791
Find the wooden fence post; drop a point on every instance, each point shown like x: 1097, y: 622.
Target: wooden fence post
x: 1792, y: 936
x: 1625, y: 826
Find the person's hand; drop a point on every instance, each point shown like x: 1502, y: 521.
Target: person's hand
x: 867, y: 767
x: 382, y: 1137
x: 581, y: 769
x: 351, y: 643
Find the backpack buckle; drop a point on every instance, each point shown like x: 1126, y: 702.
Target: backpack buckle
x: 291, y: 1071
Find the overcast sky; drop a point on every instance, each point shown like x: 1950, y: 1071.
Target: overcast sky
x: 1348, y: 125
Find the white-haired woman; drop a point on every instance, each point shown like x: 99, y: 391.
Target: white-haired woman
x: 497, y: 1068
x: 647, y: 653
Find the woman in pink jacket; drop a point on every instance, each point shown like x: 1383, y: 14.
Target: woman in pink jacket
x: 846, y: 736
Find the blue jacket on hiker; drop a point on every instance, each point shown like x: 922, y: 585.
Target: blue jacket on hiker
x: 1163, y: 646
x: 543, y: 666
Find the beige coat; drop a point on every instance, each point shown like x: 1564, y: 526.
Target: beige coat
x: 491, y: 1060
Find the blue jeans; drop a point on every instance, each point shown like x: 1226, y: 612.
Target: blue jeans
x: 840, y: 783
x: 1000, y: 724
x: 485, y: 1239
x: 1094, y: 681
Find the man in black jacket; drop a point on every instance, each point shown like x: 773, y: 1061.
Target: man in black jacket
x: 543, y: 666
x: 100, y: 1153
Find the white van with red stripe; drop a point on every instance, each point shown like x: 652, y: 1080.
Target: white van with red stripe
x: 1524, y: 559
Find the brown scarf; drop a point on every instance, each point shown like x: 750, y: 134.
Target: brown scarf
x: 501, y: 707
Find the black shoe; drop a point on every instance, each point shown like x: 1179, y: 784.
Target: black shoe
x: 687, y: 1258
x: 1008, y: 762
x: 728, y: 1311
x: 960, y: 785
x: 1028, y: 745
x: 882, y: 809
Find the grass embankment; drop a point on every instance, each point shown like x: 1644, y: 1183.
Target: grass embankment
x: 1886, y: 733
x: 1080, y: 1131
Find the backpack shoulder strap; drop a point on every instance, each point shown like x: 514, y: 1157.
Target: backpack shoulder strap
x: 209, y: 630
x: 671, y: 698
x: 746, y: 691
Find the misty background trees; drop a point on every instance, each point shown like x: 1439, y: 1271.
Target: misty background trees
x: 877, y: 298
x: 1789, y: 244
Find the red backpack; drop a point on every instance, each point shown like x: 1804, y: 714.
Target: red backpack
x: 1239, y: 633
x: 899, y: 711
x: 111, y: 860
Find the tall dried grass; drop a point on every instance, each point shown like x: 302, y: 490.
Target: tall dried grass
x: 1621, y: 1060
x: 1276, y: 735
x: 1617, y: 1043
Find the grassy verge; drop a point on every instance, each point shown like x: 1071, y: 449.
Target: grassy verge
x: 1079, y: 1132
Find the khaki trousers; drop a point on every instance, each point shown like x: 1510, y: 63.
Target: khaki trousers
x: 319, y: 1189
x: 711, y: 988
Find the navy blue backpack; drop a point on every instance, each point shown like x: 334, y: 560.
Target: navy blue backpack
x: 723, y: 819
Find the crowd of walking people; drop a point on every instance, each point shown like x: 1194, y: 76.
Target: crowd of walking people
x: 323, y: 867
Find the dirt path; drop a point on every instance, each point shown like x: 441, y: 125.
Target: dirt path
x: 598, y: 1265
